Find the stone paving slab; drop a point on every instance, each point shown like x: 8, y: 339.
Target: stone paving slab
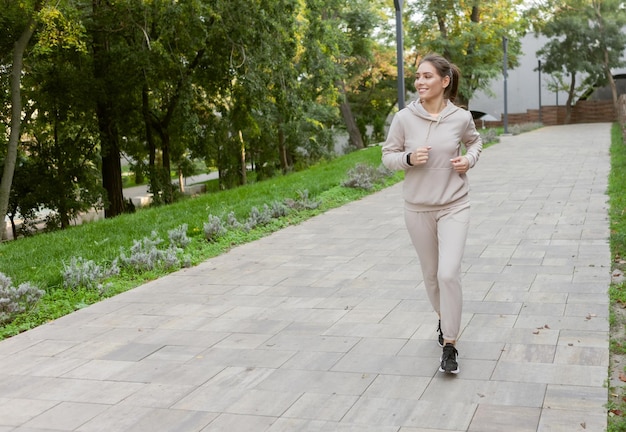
x: 325, y: 326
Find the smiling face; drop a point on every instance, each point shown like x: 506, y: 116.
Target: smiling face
x: 428, y: 83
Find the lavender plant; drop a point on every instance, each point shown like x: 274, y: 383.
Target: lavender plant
x: 364, y: 176
x: 178, y: 237
x: 85, y: 273
x: 214, y: 228
x: 303, y: 202
x: 145, y: 255
x: 16, y: 300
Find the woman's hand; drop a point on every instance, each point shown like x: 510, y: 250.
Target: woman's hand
x: 420, y: 156
x: 460, y: 164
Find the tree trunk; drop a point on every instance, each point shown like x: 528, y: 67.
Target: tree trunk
x: 111, y: 167
x: 109, y: 144
x: 282, y: 149
x: 605, y: 61
x: 168, y: 189
x: 244, y: 177
x: 145, y: 110
x: 609, y: 77
x: 181, y: 181
x: 16, y: 115
x: 356, y: 140
x: 570, y: 98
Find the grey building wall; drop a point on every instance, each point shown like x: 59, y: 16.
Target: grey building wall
x: 523, y: 85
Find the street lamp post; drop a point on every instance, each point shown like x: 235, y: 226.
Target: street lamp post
x: 399, y: 49
x: 505, y: 73
x: 539, y: 70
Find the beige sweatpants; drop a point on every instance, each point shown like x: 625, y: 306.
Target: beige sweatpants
x: 439, y: 240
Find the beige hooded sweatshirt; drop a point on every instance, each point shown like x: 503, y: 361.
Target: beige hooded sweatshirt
x: 434, y: 185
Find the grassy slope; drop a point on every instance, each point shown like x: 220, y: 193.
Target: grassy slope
x: 617, y: 215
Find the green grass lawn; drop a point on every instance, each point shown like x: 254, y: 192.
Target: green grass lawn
x: 617, y: 292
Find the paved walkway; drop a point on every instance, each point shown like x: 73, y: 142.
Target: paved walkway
x: 325, y: 326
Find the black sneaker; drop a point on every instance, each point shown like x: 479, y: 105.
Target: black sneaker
x: 448, y: 359
x: 440, y: 339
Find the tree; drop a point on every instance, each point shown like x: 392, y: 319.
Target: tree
x: 582, y: 41
x: 609, y: 18
x: 112, y: 87
x: 25, y: 15
x: 469, y: 33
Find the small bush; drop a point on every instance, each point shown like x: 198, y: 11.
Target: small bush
x: 258, y: 218
x: 517, y: 129
x: 278, y: 210
x: 86, y: 273
x: 489, y: 136
x: 178, y: 237
x: 231, y: 221
x: 303, y: 202
x: 214, y: 228
x: 364, y: 176
x: 145, y: 255
x: 14, y: 301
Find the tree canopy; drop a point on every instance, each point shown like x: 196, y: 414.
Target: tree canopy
x: 585, y: 39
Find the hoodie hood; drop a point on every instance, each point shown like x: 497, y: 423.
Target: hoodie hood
x: 418, y: 109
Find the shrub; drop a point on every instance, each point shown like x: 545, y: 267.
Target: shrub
x: 489, y: 136
x: 145, y: 255
x: 214, y: 228
x: 86, y: 273
x: 178, y: 237
x: 303, y: 202
x: 14, y: 301
x: 278, y: 209
x: 258, y: 218
x: 231, y: 221
x: 517, y: 129
x: 364, y: 176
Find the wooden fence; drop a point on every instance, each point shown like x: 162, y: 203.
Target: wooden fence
x: 592, y: 111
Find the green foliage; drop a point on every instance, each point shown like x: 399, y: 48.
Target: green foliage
x: 469, y: 34
x: 617, y: 292
x: 235, y: 83
x: 59, y: 30
x: 584, y: 38
x: 617, y: 195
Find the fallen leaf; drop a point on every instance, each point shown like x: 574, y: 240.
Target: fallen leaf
x: 536, y: 332
x: 584, y: 425
x: 622, y: 376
